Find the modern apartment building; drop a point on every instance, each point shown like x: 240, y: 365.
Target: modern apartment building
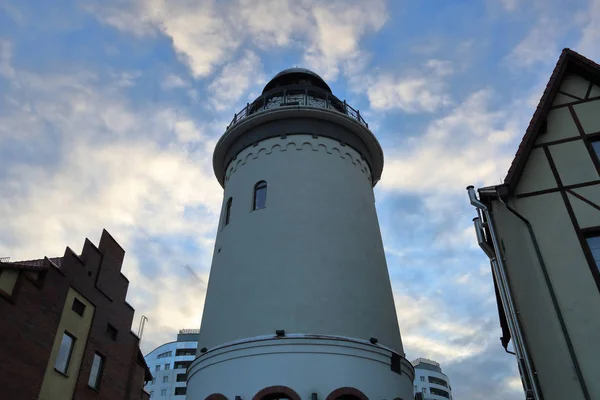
x: 541, y: 231
x: 168, y: 363
x: 66, y: 328
x: 430, y: 382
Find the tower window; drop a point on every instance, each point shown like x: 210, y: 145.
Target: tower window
x: 260, y: 196
x: 228, y: 210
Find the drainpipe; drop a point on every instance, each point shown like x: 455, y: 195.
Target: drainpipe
x: 499, y: 271
x: 559, y: 315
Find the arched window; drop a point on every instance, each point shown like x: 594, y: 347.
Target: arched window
x: 260, y: 195
x: 276, y: 393
x: 347, y: 393
x: 228, y: 210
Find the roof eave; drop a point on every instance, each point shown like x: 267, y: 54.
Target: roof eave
x: 568, y: 60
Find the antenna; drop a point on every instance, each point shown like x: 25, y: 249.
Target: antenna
x: 141, y: 328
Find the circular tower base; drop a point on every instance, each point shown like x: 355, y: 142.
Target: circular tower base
x: 300, y: 367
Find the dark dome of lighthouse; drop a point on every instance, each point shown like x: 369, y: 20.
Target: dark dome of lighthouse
x: 296, y: 76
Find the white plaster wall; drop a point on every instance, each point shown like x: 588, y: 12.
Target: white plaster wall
x: 587, y: 216
x: 575, y: 290
x: 312, y: 261
x: 305, y: 366
x: 560, y: 126
x: 573, y: 162
x: 575, y: 85
x: 539, y: 321
x: 537, y: 174
x: 595, y: 92
x: 588, y: 116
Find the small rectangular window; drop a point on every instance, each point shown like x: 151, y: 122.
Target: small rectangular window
x: 594, y: 245
x: 228, y: 210
x: 111, y: 331
x: 439, y: 392
x: 157, y: 368
x: 182, y: 364
x: 185, y: 352
x: 165, y: 379
x: 96, y: 372
x: 64, y: 353
x: 181, y: 377
x: 422, y: 379
x: 163, y: 392
x: 78, y: 306
x: 596, y: 146
x: 167, y: 366
x: 180, y: 391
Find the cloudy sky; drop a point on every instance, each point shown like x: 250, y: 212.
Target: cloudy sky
x: 110, y: 110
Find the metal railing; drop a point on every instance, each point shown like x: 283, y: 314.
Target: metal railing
x: 297, y: 95
x: 189, y: 331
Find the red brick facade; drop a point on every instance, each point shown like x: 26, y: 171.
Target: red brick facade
x: 30, y: 317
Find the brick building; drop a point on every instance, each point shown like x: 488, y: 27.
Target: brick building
x: 66, y: 328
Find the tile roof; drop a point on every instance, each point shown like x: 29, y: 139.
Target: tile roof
x: 569, y: 60
x: 33, y: 264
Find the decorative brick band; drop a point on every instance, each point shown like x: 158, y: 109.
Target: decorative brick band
x: 346, y: 391
x: 297, y: 143
x: 216, y: 396
x: 289, y: 393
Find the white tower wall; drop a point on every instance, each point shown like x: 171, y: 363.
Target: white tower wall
x: 312, y: 261
x: 299, y: 301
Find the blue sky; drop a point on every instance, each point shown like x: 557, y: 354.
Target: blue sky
x: 110, y: 110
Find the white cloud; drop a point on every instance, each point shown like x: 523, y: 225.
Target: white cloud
x: 431, y: 330
x: 590, y: 33
x: 339, y: 27
x: 100, y: 162
x: 6, y: 69
x: 234, y: 80
x: 540, y: 45
x: 173, y: 81
x: 207, y: 34
x: 509, y: 5
x: 411, y: 91
x: 464, y: 147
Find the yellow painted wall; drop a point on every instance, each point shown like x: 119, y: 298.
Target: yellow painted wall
x: 8, y: 278
x: 56, y: 385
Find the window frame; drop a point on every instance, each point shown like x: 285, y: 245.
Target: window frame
x: 227, y: 216
x: 78, y: 304
x: 586, y: 234
x: 112, y: 332
x: 69, y: 355
x: 260, y: 185
x: 99, y: 373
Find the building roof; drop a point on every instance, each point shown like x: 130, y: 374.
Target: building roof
x: 33, y: 265
x: 294, y: 73
x: 569, y: 61
x: 140, y: 358
x: 424, y: 363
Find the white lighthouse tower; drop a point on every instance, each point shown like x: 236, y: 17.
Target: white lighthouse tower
x: 299, y: 302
